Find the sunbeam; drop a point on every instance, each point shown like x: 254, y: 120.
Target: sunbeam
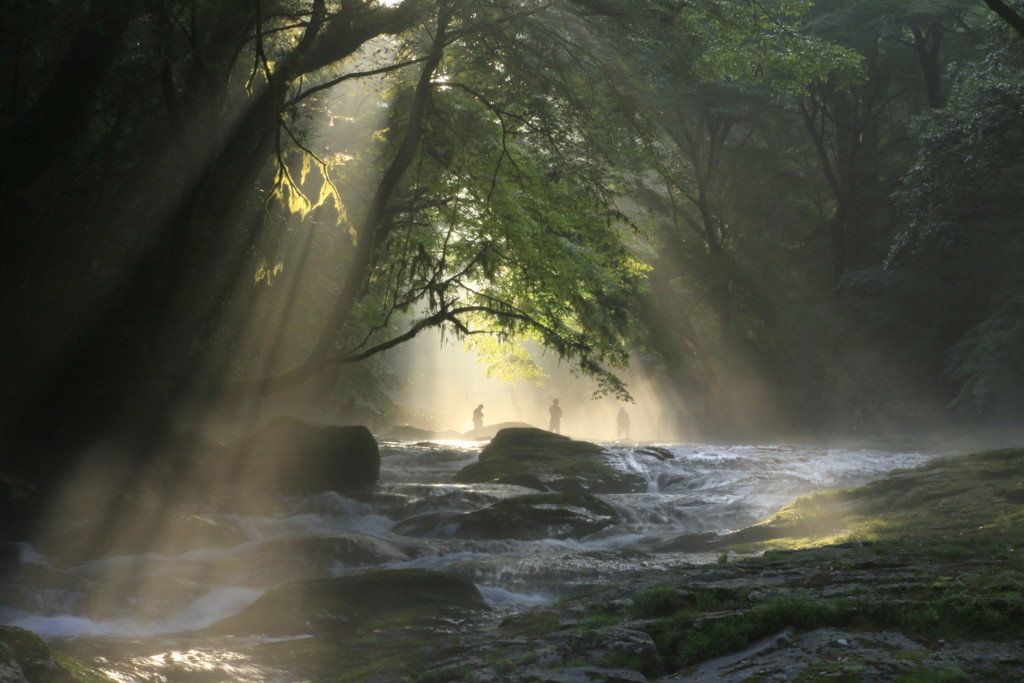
x: 424, y: 340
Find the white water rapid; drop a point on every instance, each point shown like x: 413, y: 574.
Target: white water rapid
x: 161, y: 599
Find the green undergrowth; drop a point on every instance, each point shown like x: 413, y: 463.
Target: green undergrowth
x: 934, y: 553
x: 688, y: 637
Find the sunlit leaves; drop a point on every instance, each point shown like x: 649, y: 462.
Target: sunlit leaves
x: 266, y: 273
x: 291, y: 193
x: 509, y: 362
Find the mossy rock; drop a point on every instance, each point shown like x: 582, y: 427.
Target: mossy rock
x: 25, y: 657
x: 544, y: 461
x: 538, y: 516
x: 353, y: 601
x: 950, y: 495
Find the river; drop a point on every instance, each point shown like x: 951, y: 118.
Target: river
x: 136, y: 615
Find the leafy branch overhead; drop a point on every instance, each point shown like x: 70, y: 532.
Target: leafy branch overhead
x: 759, y: 202
x: 512, y: 204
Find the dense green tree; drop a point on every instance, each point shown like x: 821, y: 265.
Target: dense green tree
x: 608, y: 177
x: 964, y: 208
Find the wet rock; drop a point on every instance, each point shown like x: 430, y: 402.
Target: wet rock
x: 410, y: 433
x: 309, y: 556
x: 351, y: 601
x: 490, y: 431
x: 658, y: 452
x: 300, y: 458
x: 25, y: 657
x: 538, y: 516
x: 542, y: 460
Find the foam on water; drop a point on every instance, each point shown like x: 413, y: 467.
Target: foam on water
x: 201, y: 613
x: 691, y: 488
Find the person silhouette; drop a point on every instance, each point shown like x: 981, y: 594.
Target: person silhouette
x: 622, y: 424
x: 478, y: 417
x: 556, y: 417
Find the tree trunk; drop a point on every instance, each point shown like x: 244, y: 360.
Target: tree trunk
x: 136, y: 354
x: 1008, y: 14
x: 372, y: 232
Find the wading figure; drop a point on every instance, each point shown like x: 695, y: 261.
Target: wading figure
x: 622, y: 424
x: 478, y: 417
x: 556, y: 417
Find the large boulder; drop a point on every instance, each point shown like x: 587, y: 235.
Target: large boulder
x: 25, y: 657
x: 538, y: 516
x: 490, y: 431
x: 300, y: 458
x: 545, y: 461
x: 353, y: 601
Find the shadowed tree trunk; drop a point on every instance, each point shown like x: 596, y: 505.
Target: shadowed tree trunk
x: 192, y: 220
x: 1007, y: 14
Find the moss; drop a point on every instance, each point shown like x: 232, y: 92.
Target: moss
x: 685, y: 637
x: 599, y: 621
x: 617, y: 659
x: 658, y: 601
x: 947, y: 497
x: 41, y: 664
x: 668, y: 600
x: 927, y: 674
x: 531, y: 624
x: 446, y: 675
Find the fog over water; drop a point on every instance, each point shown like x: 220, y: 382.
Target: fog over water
x: 188, y: 561
x: 443, y: 382
x: 412, y: 520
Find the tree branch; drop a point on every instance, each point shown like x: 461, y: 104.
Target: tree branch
x: 1007, y: 14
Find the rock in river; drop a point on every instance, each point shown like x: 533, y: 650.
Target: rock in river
x: 25, y: 657
x: 538, y: 516
x: 544, y: 461
x: 300, y: 458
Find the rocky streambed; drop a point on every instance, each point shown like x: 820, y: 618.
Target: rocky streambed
x: 915, y: 576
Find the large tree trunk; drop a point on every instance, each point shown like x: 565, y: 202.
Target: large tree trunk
x: 371, y: 233
x: 1007, y: 14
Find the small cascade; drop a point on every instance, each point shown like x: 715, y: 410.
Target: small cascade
x: 412, y: 520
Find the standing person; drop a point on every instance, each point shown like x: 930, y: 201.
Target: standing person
x: 478, y: 417
x: 556, y: 417
x: 622, y: 424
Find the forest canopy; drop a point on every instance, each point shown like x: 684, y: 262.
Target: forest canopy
x: 800, y: 216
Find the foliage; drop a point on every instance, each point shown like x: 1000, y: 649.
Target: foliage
x: 964, y: 208
x: 680, y: 182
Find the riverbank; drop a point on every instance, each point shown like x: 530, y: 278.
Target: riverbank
x: 916, y: 576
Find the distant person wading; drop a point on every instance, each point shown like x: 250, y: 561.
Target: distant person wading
x: 622, y: 424
x: 556, y: 417
x: 478, y: 417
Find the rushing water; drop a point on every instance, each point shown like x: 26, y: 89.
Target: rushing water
x: 408, y: 521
